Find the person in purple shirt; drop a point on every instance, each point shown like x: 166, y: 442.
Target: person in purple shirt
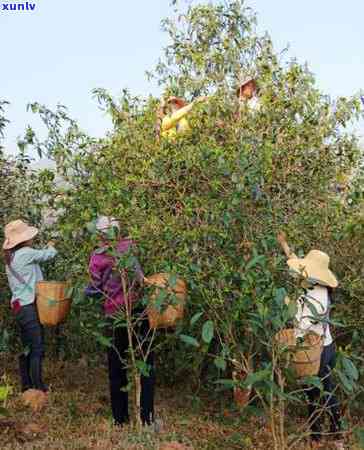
x: 106, y: 283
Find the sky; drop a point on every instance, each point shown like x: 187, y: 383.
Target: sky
x: 62, y: 50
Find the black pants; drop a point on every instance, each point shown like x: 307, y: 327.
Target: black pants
x: 117, y: 359
x: 327, y: 403
x: 32, y: 337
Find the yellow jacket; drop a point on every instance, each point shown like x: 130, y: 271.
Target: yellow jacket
x: 176, y: 122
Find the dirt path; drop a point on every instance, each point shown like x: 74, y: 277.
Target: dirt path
x: 78, y: 417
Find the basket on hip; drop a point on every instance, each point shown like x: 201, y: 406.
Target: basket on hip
x: 159, y: 315
x: 53, y: 302
x: 306, y: 357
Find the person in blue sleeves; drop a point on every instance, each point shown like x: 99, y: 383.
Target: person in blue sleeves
x: 23, y: 272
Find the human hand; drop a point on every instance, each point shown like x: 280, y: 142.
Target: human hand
x: 282, y: 239
x: 51, y: 244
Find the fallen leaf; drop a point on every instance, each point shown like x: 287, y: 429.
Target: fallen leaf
x: 242, y: 397
x: 91, y: 408
x: 35, y: 399
x: 7, y: 424
x: 103, y: 426
x: 33, y: 428
x: 173, y: 446
x: 103, y: 444
x: 83, y: 362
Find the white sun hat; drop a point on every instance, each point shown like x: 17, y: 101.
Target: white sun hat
x: 105, y: 223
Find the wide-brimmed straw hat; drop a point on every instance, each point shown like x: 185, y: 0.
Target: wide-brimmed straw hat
x: 177, y: 100
x: 17, y: 232
x: 315, y: 267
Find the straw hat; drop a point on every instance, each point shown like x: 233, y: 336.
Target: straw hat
x: 315, y: 266
x: 177, y: 100
x: 17, y: 232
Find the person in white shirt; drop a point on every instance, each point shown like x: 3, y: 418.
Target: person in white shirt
x: 313, y: 313
x: 316, y: 296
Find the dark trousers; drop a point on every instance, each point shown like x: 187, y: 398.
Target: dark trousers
x: 117, y: 359
x: 32, y: 338
x: 319, y: 405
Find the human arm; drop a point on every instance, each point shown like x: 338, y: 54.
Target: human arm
x: 43, y: 255
x: 100, y: 270
x: 171, y: 120
x: 282, y: 239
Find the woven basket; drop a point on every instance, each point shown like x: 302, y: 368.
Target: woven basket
x: 169, y: 316
x: 52, y: 302
x: 306, y: 358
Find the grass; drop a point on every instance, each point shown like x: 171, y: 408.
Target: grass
x: 78, y: 417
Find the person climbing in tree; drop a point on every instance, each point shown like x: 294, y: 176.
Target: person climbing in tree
x: 318, y: 284
x: 172, y: 116
x: 108, y: 285
x: 23, y: 272
x: 247, y: 94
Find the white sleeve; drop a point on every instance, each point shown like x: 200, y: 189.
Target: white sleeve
x: 38, y: 256
x: 305, y: 315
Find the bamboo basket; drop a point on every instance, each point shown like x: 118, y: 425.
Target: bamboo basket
x: 306, y: 358
x: 53, y: 303
x: 169, y: 316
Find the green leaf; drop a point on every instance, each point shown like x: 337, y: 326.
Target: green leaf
x: 189, y: 340
x: 91, y: 227
x: 172, y: 281
x: 195, y: 318
x: 4, y: 412
x: 208, y: 331
x: 280, y: 295
x: 359, y: 434
x: 292, y: 309
x: 4, y: 392
x: 272, y: 387
x: 350, y: 370
x: 106, y: 342
x: 160, y: 300
x: 220, y: 363
x: 348, y: 385
x: 229, y: 384
x: 257, y: 377
x: 313, y: 381
x: 143, y: 368
x: 69, y: 292
x: 254, y: 262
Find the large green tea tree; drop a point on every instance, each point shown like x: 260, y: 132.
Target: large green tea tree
x: 209, y: 204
